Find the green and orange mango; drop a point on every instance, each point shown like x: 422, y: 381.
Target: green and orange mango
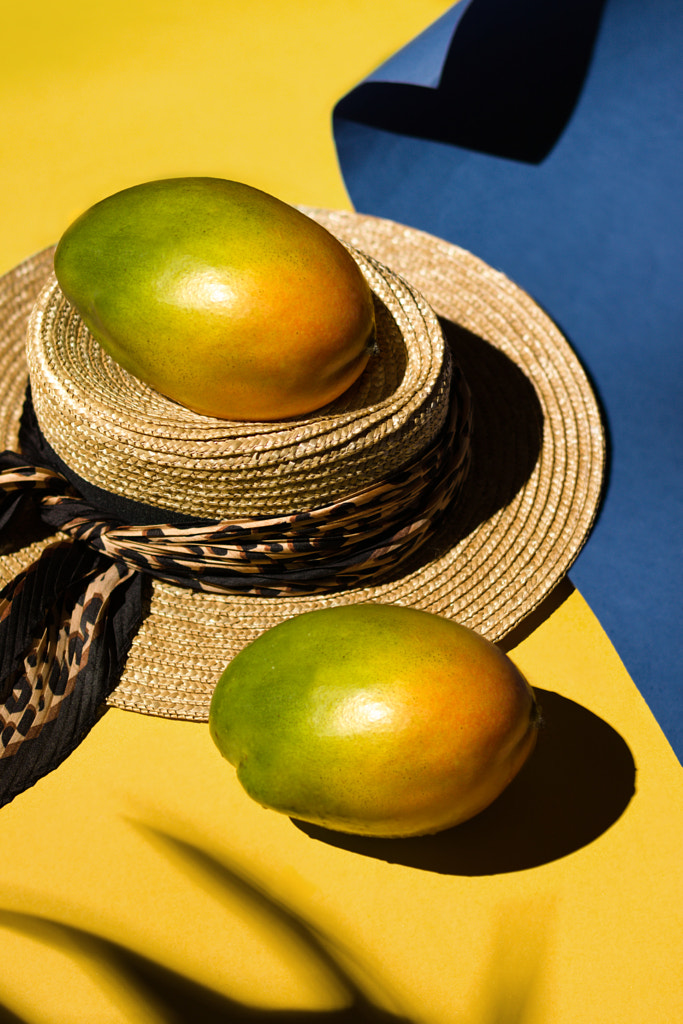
x: 374, y: 719
x: 219, y: 296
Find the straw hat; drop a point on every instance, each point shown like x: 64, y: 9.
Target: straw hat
x: 460, y: 347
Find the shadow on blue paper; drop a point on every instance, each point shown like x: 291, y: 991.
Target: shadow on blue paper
x: 548, y: 139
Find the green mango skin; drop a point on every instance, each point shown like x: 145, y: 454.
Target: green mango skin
x: 374, y: 719
x: 219, y: 296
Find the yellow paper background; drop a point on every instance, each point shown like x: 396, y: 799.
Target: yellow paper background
x: 95, y: 98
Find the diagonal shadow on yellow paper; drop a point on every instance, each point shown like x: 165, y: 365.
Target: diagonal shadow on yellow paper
x: 179, y: 999
x: 176, y: 998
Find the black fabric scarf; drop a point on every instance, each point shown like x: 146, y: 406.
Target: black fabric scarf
x: 68, y: 620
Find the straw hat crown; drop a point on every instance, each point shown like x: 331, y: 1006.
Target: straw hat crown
x: 118, y: 435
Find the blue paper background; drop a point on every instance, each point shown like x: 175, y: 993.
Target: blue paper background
x: 582, y: 205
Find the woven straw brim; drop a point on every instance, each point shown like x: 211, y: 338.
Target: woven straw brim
x: 525, y: 512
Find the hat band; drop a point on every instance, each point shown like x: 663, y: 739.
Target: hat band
x: 367, y: 534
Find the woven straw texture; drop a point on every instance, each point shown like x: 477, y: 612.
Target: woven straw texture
x: 525, y: 512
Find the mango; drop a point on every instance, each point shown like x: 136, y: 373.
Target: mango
x: 219, y: 296
x: 374, y: 719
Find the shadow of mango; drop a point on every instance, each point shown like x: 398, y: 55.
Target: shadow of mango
x: 579, y: 780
